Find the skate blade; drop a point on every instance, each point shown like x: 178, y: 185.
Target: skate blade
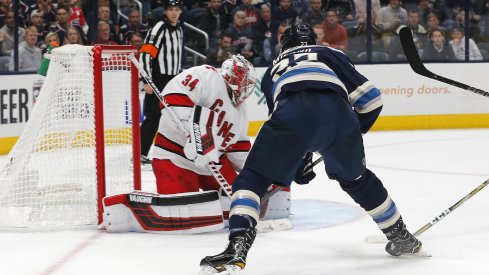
x: 207, y: 270
x: 376, y: 239
x: 273, y: 225
x: 420, y: 254
x: 146, y: 167
x: 230, y: 270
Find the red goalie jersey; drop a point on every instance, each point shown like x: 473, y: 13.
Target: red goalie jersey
x: 204, y: 86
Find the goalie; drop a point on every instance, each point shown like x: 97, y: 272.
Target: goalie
x: 209, y: 104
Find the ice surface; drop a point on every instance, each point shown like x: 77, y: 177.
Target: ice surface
x: 425, y: 172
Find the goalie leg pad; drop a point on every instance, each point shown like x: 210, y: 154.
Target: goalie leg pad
x: 277, y: 206
x: 186, y: 213
x: 226, y: 206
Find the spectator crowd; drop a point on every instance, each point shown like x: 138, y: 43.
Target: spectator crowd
x: 252, y: 27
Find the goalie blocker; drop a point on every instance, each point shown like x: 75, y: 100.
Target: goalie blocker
x: 185, y: 213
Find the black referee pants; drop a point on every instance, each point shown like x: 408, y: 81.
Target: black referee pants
x: 152, y: 114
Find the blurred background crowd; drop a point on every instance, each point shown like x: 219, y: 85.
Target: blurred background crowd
x: 444, y: 30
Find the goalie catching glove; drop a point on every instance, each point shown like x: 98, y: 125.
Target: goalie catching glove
x: 305, y: 173
x: 202, y: 144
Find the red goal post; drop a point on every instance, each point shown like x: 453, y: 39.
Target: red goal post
x: 80, y: 144
x: 106, y: 63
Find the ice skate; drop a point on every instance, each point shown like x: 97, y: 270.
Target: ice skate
x: 401, y: 241
x: 146, y: 163
x: 231, y: 260
x: 145, y: 160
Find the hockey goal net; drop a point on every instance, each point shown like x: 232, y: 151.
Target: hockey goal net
x: 80, y: 143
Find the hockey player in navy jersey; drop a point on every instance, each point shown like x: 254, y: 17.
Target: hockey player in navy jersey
x: 318, y: 102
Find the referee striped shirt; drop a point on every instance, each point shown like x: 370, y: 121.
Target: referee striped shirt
x: 162, y: 49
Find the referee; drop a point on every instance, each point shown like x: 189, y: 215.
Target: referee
x: 161, y: 56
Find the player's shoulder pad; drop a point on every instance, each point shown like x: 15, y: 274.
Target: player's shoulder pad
x: 328, y: 51
x: 332, y: 55
x: 267, y: 77
x: 209, y: 72
x: 209, y: 78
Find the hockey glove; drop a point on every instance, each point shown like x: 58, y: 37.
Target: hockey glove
x: 305, y: 173
x: 200, y: 146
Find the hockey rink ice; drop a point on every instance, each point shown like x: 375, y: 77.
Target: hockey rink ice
x: 425, y: 172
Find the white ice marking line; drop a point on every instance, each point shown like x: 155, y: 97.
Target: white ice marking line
x: 428, y: 171
x: 71, y: 254
x: 423, y: 141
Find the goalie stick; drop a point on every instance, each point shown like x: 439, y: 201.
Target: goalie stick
x: 381, y: 238
x: 212, y: 168
x: 262, y: 226
x: 418, y: 67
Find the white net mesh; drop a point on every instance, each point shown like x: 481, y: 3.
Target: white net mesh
x: 50, y: 179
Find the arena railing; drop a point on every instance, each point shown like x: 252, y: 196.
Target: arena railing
x: 369, y: 55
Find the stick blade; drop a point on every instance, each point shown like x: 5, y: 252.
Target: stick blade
x: 411, y: 52
x: 418, y: 67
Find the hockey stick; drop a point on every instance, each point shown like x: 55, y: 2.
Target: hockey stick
x: 451, y: 208
x: 212, y: 168
x: 262, y: 226
x: 418, y: 67
x: 379, y: 238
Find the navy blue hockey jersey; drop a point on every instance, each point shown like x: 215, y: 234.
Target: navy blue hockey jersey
x: 323, y: 69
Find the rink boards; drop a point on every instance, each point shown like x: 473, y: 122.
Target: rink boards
x: 410, y: 101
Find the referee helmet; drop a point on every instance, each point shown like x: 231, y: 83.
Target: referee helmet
x: 173, y: 3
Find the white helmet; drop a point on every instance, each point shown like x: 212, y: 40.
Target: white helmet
x: 240, y: 75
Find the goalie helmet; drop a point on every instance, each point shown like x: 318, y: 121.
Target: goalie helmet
x: 298, y: 35
x: 240, y: 75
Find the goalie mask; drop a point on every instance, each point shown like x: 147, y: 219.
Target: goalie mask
x: 240, y: 75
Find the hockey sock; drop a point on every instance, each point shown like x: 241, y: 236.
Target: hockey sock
x: 244, y: 212
x: 239, y: 223
x: 248, y: 188
x: 366, y: 190
x: 386, y: 214
x: 252, y: 181
x: 371, y: 195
